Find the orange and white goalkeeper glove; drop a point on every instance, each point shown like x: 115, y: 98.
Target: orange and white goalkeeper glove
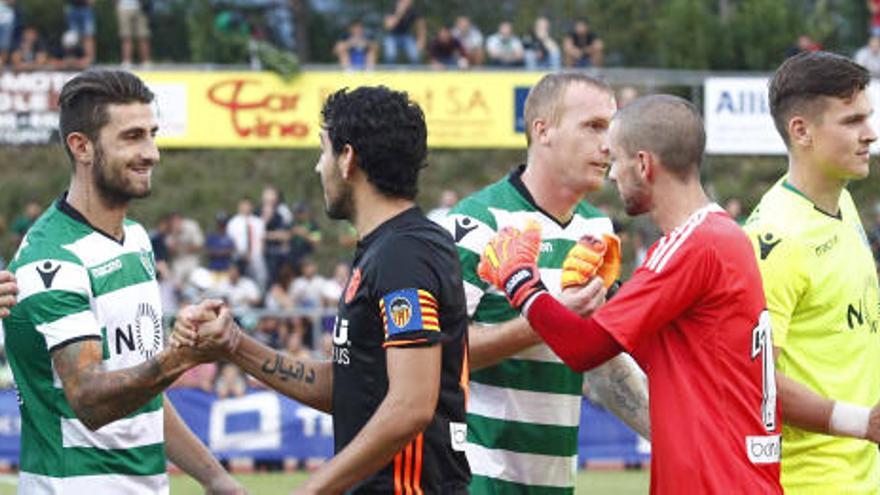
x: 592, y: 256
x: 510, y: 262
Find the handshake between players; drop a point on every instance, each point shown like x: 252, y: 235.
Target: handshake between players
x: 510, y: 259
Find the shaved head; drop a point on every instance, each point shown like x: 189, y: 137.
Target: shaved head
x: 667, y: 126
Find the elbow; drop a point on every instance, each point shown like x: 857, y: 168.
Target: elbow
x: 416, y: 417
x: 85, y: 412
x: 422, y: 418
x: 90, y: 422
x: 85, y: 415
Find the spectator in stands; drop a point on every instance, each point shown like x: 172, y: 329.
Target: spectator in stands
x: 31, y: 52
x: 230, y: 382
x: 541, y: 50
x: 248, y: 232
x: 357, y: 50
x: 278, y: 219
x: 733, y: 207
x: 71, y: 55
x: 185, y: 242
x: 869, y: 56
x: 804, y: 43
x: 80, y: 18
x: 134, y: 24
x: 347, y: 236
x: 470, y: 38
x: 7, y: 29
x: 874, y: 9
x: 582, y: 47
x: 306, y: 234
x: 200, y: 377
x: 303, y: 325
x: 399, y: 36
x: 279, y: 20
x: 271, y: 332
x: 448, y: 198
x: 279, y: 296
x: 294, y: 342
x: 159, y: 242
x: 504, y: 48
x: 335, y: 285
x: 446, y: 52
x: 308, y: 288
x: 239, y: 291
x: 219, y: 247
x: 23, y: 222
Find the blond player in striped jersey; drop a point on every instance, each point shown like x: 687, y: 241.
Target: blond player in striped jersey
x: 524, y: 406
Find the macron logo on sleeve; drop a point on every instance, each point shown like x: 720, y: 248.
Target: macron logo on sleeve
x: 767, y: 242
x: 463, y: 227
x: 47, y: 272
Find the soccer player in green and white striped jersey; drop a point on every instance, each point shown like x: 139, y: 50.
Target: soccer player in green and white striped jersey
x: 524, y: 404
x: 85, y: 339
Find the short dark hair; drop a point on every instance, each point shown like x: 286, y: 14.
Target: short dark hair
x: 387, y: 132
x: 803, y: 79
x: 666, y: 125
x: 84, y: 99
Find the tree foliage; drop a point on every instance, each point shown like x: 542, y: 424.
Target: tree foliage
x: 675, y: 34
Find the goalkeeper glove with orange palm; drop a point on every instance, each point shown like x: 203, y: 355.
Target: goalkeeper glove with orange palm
x: 592, y: 256
x: 510, y: 262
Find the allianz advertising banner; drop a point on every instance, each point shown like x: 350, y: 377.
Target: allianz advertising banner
x: 738, y: 121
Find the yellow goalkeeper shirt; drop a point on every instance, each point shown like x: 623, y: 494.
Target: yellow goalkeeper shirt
x: 821, y: 287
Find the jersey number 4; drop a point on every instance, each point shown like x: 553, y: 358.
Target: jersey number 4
x: 762, y: 345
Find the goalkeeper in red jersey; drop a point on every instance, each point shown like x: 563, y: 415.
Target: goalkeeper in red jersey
x: 693, y: 315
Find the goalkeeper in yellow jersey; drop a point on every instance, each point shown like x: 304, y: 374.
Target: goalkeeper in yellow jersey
x: 819, y: 279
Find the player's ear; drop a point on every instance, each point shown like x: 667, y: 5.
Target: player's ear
x: 799, y: 131
x: 647, y: 164
x: 347, y: 161
x: 81, y: 147
x: 540, y: 130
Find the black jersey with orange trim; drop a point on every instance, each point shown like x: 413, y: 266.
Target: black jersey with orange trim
x: 405, y: 291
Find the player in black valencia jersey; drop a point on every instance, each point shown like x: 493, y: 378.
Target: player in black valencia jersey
x: 398, y: 380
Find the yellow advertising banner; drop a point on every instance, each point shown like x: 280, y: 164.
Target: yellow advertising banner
x: 260, y: 110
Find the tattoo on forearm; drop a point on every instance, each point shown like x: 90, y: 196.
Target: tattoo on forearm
x: 622, y: 392
x: 285, y: 370
x: 100, y: 397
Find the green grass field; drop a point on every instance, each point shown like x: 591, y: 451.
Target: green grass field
x: 589, y: 482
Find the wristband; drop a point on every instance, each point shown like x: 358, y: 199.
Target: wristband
x: 849, y: 420
x: 528, y: 304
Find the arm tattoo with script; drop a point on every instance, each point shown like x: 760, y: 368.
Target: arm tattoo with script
x: 288, y: 370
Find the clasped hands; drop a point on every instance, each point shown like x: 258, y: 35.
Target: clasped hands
x: 207, y: 330
x: 509, y: 262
